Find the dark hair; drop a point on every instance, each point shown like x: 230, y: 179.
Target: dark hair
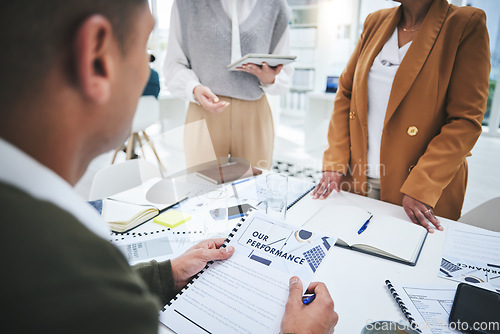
x: 35, y: 33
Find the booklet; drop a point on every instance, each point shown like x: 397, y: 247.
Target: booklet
x: 258, y: 59
x: 384, y: 236
x: 426, y: 306
x: 248, y: 292
x: 471, y: 255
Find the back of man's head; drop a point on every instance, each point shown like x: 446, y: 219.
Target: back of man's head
x: 35, y: 34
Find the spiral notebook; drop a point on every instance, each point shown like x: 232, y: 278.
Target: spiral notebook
x: 426, y: 306
x: 248, y: 292
x: 402, y: 306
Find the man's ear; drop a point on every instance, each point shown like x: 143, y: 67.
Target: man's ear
x: 95, y: 48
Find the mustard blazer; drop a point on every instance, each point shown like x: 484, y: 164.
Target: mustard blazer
x: 435, y: 109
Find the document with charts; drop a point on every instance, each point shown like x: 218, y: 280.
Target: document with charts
x: 428, y: 306
x: 248, y: 292
x: 471, y: 255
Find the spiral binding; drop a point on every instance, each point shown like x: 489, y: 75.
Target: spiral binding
x: 402, y: 306
x: 116, y: 236
x: 300, y: 197
x: 228, y: 239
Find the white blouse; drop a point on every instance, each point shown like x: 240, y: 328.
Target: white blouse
x: 181, y: 80
x: 380, y: 80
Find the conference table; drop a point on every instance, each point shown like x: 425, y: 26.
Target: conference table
x: 356, y: 280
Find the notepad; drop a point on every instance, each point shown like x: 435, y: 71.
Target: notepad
x: 254, y: 58
x: 123, y: 216
x: 388, y: 237
x: 172, y: 218
x: 129, y: 209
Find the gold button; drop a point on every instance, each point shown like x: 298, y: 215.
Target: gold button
x: 412, y: 131
x: 351, y: 114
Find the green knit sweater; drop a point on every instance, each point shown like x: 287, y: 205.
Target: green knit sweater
x: 59, y: 277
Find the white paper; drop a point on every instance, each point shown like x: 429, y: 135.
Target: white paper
x: 472, y: 255
x: 247, y: 293
x: 158, y: 246
x: 429, y: 305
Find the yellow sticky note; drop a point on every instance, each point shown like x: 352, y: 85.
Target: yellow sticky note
x: 172, y: 218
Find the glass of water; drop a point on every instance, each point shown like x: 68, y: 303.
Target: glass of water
x: 276, y: 195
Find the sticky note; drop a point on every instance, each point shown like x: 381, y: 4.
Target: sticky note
x: 172, y: 218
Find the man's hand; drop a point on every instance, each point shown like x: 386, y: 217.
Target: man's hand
x: 265, y: 73
x: 420, y: 213
x: 316, y: 317
x: 208, y: 100
x: 195, y: 259
x: 329, y: 182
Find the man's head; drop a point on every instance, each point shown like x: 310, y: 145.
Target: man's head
x: 35, y: 33
x: 75, y: 68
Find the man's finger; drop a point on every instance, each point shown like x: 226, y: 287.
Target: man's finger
x: 218, y: 241
x: 219, y: 254
x: 319, y: 289
x: 312, y: 286
x: 295, y: 291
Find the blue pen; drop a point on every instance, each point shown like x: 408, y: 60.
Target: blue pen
x: 365, y: 225
x: 240, y: 181
x: 309, y: 299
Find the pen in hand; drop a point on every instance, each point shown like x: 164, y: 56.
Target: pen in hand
x: 365, y: 225
x: 308, y: 299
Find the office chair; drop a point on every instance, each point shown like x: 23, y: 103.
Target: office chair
x: 121, y: 176
x: 484, y: 215
x: 148, y: 111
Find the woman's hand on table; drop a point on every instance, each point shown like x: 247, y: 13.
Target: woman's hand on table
x: 421, y: 214
x: 329, y: 181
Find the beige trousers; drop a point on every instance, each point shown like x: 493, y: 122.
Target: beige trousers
x: 373, y: 188
x: 243, y: 130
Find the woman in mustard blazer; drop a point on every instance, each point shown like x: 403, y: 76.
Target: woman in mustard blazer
x: 434, y: 109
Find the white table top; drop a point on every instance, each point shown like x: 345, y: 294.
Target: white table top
x: 356, y: 280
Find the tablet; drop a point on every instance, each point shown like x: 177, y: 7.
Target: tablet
x: 475, y: 310
x: 254, y: 58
